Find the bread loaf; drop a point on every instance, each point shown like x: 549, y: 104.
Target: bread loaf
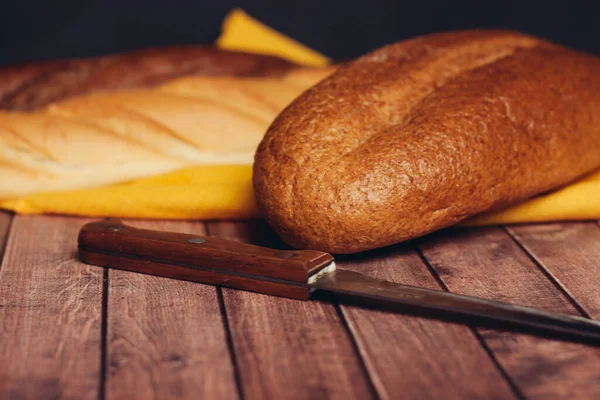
x: 110, y: 137
x: 421, y: 134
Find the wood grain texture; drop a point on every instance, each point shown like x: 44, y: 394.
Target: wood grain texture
x: 486, y: 262
x: 50, y: 311
x: 166, y: 338
x: 570, y: 252
x: 416, y: 358
x: 5, y: 219
x: 288, y: 349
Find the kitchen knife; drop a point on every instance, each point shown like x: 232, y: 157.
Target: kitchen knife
x: 295, y: 274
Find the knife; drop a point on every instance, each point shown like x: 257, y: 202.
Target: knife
x: 297, y: 274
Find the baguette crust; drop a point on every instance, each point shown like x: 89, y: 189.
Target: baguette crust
x: 33, y: 85
x: 111, y: 137
x: 419, y: 135
x: 75, y: 124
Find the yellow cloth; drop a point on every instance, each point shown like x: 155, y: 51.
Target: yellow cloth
x: 578, y: 201
x: 243, y: 33
x: 203, y: 192
x: 222, y: 191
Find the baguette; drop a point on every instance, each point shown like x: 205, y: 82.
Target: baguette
x: 33, y: 85
x: 421, y: 134
x: 111, y: 137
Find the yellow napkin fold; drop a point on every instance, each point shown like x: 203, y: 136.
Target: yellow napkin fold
x: 243, y: 33
x: 225, y: 191
x: 202, y: 192
x: 576, y: 202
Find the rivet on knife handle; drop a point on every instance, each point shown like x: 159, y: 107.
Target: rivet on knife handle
x: 202, y: 259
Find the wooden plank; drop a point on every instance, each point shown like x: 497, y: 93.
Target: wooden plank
x: 50, y: 313
x: 570, y: 252
x: 288, y: 349
x: 486, y: 262
x: 415, y: 358
x: 166, y: 338
x: 5, y: 219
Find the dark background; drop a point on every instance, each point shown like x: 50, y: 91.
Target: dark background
x: 35, y: 29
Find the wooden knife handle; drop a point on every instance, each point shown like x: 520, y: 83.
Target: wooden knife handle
x: 204, y: 259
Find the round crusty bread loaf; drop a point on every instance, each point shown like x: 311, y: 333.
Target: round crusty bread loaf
x: 421, y: 134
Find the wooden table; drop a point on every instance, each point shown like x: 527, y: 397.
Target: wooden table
x: 69, y: 330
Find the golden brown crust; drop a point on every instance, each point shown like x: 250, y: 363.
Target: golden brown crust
x: 32, y: 85
x: 421, y: 134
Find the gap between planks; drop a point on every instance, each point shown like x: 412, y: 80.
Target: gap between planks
x: 234, y: 362
x: 5, y: 223
x: 547, y: 273
x: 371, y: 378
x: 49, y: 312
x: 413, y: 357
x: 103, y: 331
x: 288, y: 348
x: 511, y: 383
x: 570, y: 253
x: 166, y: 338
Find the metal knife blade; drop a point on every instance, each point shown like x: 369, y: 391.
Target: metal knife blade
x: 356, y: 284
